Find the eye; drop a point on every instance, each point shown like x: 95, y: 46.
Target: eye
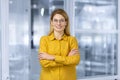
x: 55, y: 20
x: 62, y: 20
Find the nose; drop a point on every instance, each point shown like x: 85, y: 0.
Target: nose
x: 59, y: 22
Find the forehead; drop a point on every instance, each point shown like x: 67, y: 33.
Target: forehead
x: 58, y: 16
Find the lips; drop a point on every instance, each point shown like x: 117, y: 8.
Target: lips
x: 58, y: 27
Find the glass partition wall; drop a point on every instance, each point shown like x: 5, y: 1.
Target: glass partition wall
x: 19, y: 49
x: 95, y: 23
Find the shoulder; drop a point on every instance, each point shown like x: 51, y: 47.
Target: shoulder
x: 73, y: 42
x: 71, y: 38
x: 44, y: 37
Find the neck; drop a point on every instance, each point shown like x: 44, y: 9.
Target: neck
x: 58, y: 35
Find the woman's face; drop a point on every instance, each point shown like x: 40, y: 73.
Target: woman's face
x: 58, y: 23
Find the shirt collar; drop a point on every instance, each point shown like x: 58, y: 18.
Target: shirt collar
x: 51, y: 37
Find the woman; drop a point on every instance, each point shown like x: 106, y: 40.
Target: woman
x: 58, y: 51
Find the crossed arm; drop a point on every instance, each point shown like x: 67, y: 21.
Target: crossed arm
x: 48, y: 60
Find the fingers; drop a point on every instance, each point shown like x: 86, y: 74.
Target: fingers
x: 41, y: 56
x: 45, y: 56
x: 42, y: 53
x: 73, y: 52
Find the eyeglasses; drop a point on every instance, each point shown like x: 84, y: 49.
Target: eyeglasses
x: 60, y: 21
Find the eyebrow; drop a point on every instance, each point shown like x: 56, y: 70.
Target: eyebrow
x: 60, y: 18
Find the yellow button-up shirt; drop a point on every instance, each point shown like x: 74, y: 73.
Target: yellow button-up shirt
x: 64, y: 66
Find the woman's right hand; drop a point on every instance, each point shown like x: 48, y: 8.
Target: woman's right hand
x: 45, y: 56
x: 73, y: 52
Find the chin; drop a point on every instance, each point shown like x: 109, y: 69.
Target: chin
x: 60, y: 29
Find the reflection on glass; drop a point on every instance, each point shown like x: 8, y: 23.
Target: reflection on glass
x: 95, y: 14
x: 98, y: 51
x: 98, y: 54
x: 18, y: 40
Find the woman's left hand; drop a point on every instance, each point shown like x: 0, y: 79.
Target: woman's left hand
x: 73, y: 52
x: 45, y: 56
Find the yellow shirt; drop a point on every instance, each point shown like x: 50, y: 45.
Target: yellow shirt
x: 64, y: 66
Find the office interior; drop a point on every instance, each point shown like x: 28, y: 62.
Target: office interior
x: 95, y: 24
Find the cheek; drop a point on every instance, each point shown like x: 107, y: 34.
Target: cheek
x: 64, y: 27
x: 65, y: 23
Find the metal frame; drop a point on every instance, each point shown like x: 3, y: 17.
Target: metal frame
x: 4, y: 5
x: 102, y: 78
x: 118, y: 67
x: 0, y: 47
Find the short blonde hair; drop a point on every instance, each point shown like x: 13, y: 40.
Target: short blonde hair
x: 64, y: 14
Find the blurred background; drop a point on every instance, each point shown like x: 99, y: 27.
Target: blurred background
x: 93, y: 22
